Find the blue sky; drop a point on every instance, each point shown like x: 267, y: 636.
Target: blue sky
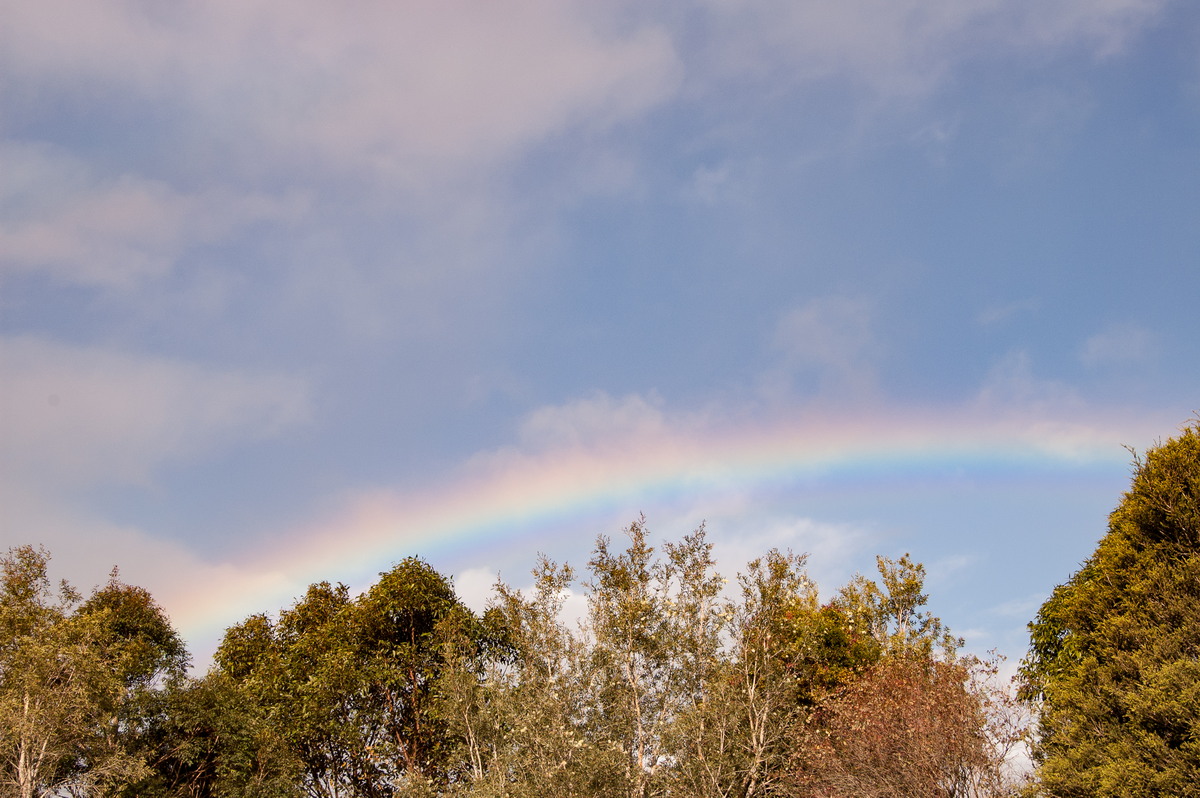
x: 288, y: 292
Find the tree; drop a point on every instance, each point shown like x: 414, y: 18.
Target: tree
x: 207, y: 738
x: 534, y: 714
x: 895, y: 713
x: 891, y: 614
x: 74, y: 678
x: 401, y: 622
x: 655, y: 628
x: 307, y: 674
x: 351, y: 683
x: 1114, y: 662
x: 130, y: 621
x: 738, y: 740
x: 908, y: 728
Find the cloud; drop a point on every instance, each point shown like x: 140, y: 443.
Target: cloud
x: 88, y: 415
x: 995, y: 314
x: 1119, y: 345
x: 1053, y: 417
x: 1012, y: 387
x: 60, y: 219
x: 834, y: 549
x: 191, y: 589
x: 596, y: 421
x: 414, y: 93
x: 1020, y: 608
x: 403, y: 90
x: 906, y: 48
x: 831, y: 339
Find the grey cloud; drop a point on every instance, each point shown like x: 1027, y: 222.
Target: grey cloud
x: 833, y: 339
x: 59, y: 218
x: 1119, y: 345
x: 409, y: 92
x: 84, y: 416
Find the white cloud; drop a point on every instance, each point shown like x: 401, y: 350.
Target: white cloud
x: 1106, y: 27
x: 410, y: 91
x: 1021, y: 608
x: 1119, y: 345
x: 1012, y: 387
x: 81, y: 417
x: 403, y: 89
x: 947, y: 569
x: 832, y: 338
x: 834, y: 550
x: 995, y: 314
x: 73, y: 415
x: 474, y: 586
x: 58, y: 218
x: 709, y: 184
x: 200, y: 596
x: 595, y: 422
x: 905, y: 48
x: 826, y: 332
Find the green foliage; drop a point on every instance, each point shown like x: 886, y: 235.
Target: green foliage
x: 673, y: 684
x: 206, y: 739
x: 130, y: 620
x: 891, y: 613
x: 1114, y: 651
x: 654, y: 643
x: 351, y: 684
x: 75, y: 679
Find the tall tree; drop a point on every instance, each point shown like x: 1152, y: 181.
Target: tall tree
x: 351, y: 682
x: 1114, y: 663
x: 654, y: 624
x: 74, y: 678
x: 538, y: 718
x: 907, y: 728
x: 737, y: 741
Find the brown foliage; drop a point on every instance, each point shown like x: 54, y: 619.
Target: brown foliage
x: 908, y: 727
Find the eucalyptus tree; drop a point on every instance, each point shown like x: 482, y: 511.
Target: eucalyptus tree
x: 654, y: 625
x: 737, y: 741
x: 74, y: 678
x: 352, y: 682
x: 534, y: 714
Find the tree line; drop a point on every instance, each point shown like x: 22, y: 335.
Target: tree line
x: 675, y: 682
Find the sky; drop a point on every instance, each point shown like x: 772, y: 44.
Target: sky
x: 291, y: 291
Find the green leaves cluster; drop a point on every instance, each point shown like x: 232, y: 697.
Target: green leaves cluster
x: 1114, y: 664
x: 351, y: 685
x: 76, y: 679
x: 674, y: 682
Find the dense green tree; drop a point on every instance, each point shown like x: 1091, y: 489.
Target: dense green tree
x: 351, y: 683
x: 131, y: 621
x: 76, y: 679
x: 403, y: 622
x: 206, y: 739
x: 1114, y: 663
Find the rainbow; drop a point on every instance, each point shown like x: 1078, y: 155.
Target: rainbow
x: 504, y: 497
